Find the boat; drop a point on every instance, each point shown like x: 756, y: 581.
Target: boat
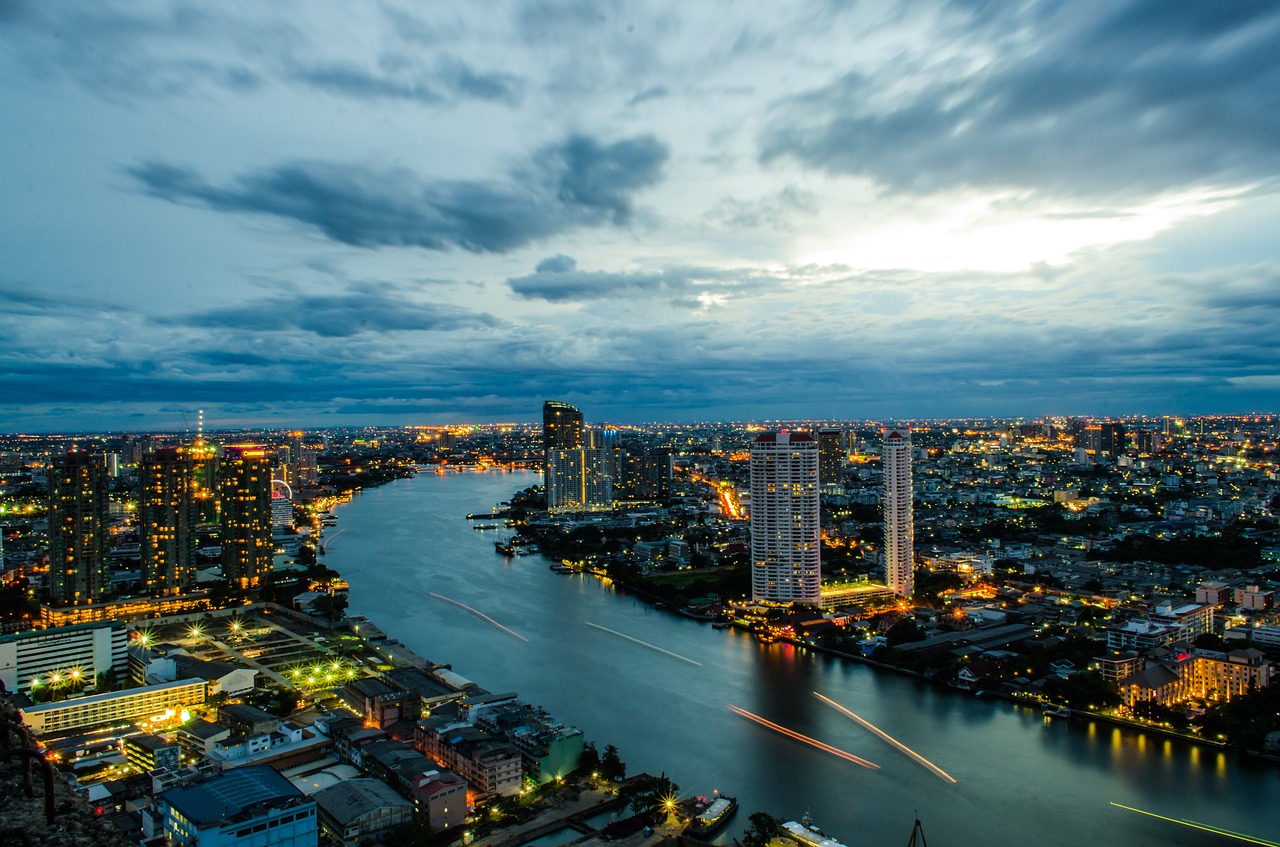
x: 721, y: 625
x: 1049, y: 710
x: 559, y: 568
x: 714, y: 816
x: 504, y: 547
x: 805, y: 833
x: 485, y: 526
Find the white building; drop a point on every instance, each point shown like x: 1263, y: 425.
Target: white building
x: 579, y: 478
x: 50, y: 656
x: 785, y: 529
x: 899, y: 530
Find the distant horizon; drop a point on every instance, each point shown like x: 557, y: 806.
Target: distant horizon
x: 834, y: 422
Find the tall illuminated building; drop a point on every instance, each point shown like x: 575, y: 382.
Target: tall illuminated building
x: 561, y: 426
x: 899, y: 531
x: 167, y: 518
x: 785, y: 520
x: 244, y: 500
x: 831, y: 455
x: 579, y: 479
x: 78, y: 529
x: 561, y: 433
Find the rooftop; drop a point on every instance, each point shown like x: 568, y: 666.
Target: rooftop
x: 231, y: 794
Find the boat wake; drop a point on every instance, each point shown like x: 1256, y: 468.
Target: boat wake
x: 812, y: 742
x: 642, y: 643
x: 479, y: 614
x: 937, y: 771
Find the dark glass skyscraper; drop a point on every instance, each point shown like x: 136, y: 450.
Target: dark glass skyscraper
x: 561, y: 426
x: 78, y: 531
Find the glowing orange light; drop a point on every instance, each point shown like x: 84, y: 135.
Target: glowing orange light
x: 812, y: 742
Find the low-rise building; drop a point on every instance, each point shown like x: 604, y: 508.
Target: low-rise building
x: 490, y: 765
x: 249, y: 807
x: 40, y: 659
x: 115, y: 707
x: 442, y: 796
x: 147, y: 752
x: 360, y: 811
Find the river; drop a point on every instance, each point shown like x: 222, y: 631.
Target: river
x: 659, y: 687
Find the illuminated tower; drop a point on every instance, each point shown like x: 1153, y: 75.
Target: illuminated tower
x: 78, y: 531
x: 579, y: 479
x: 167, y: 518
x: 785, y: 531
x: 830, y: 455
x: 899, y: 533
x: 244, y: 493
x: 561, y: 426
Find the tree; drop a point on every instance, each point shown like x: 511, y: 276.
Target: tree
x: 656, y: 794
x: 589, y: 761
x: 764, y: 827
x: 904, y: 631
x: 611, y: 765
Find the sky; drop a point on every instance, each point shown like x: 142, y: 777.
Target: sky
x: 327, y: 213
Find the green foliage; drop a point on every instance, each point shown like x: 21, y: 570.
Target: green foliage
x: 652, y: 795
x: 904, y: 631
x: 1246, y: 720
x: 589, y: 761
x: 1222, y: 552
x: 929, y: 584
x: 764, y: 827
x: 1084, y: 690
x: 611, y: 765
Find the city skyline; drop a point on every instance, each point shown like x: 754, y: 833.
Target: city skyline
x: 324, y: 215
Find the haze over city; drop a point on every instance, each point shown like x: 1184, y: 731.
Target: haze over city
x: 321, y: 214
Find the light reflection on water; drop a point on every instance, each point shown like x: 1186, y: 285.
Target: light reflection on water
x: 1055, y: 779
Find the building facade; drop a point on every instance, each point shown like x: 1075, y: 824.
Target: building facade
x: 579, y: 479
x: 115, y: 707
x: 247, y: 807
x: 561, y: 426
x: 831, y: 455
x: 899, y: 526
x: 785, y: 520
x: 167, y: 519
x: 31, y: 659
x: 78, y: 529
x: 244, y: 491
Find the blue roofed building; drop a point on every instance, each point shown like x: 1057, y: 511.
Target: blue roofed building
x: 247, y: 807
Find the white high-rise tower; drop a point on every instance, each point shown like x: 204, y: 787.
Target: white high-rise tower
x: 899, y: 534
x: 785, y: 529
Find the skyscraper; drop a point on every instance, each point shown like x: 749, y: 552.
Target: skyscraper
x: 561, y: 426
x: 899, y: 531
x: 830, y: 455
x: 579, y: 479
x: 78, y: 531
x: 167, y: 517
x: 785, y: 529
x: 244, y: 494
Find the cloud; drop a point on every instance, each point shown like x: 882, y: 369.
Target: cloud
x: 448, y: 79
x: 337, y: 316
x: 1072, y: 99
x: 580, y: 182
x: 558, y: 280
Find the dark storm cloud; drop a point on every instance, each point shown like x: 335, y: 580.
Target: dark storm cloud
x: 339, y: 316
x: 449, y: 79
x: 558, y: 280
x: 1076, y: 98
x: 580, y: 182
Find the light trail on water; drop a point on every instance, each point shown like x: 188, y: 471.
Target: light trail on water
x: 812, y: 742
x: 642, y: 643
x: 888, y: 738
x: 479, y: 614
x: 1226, y: 833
